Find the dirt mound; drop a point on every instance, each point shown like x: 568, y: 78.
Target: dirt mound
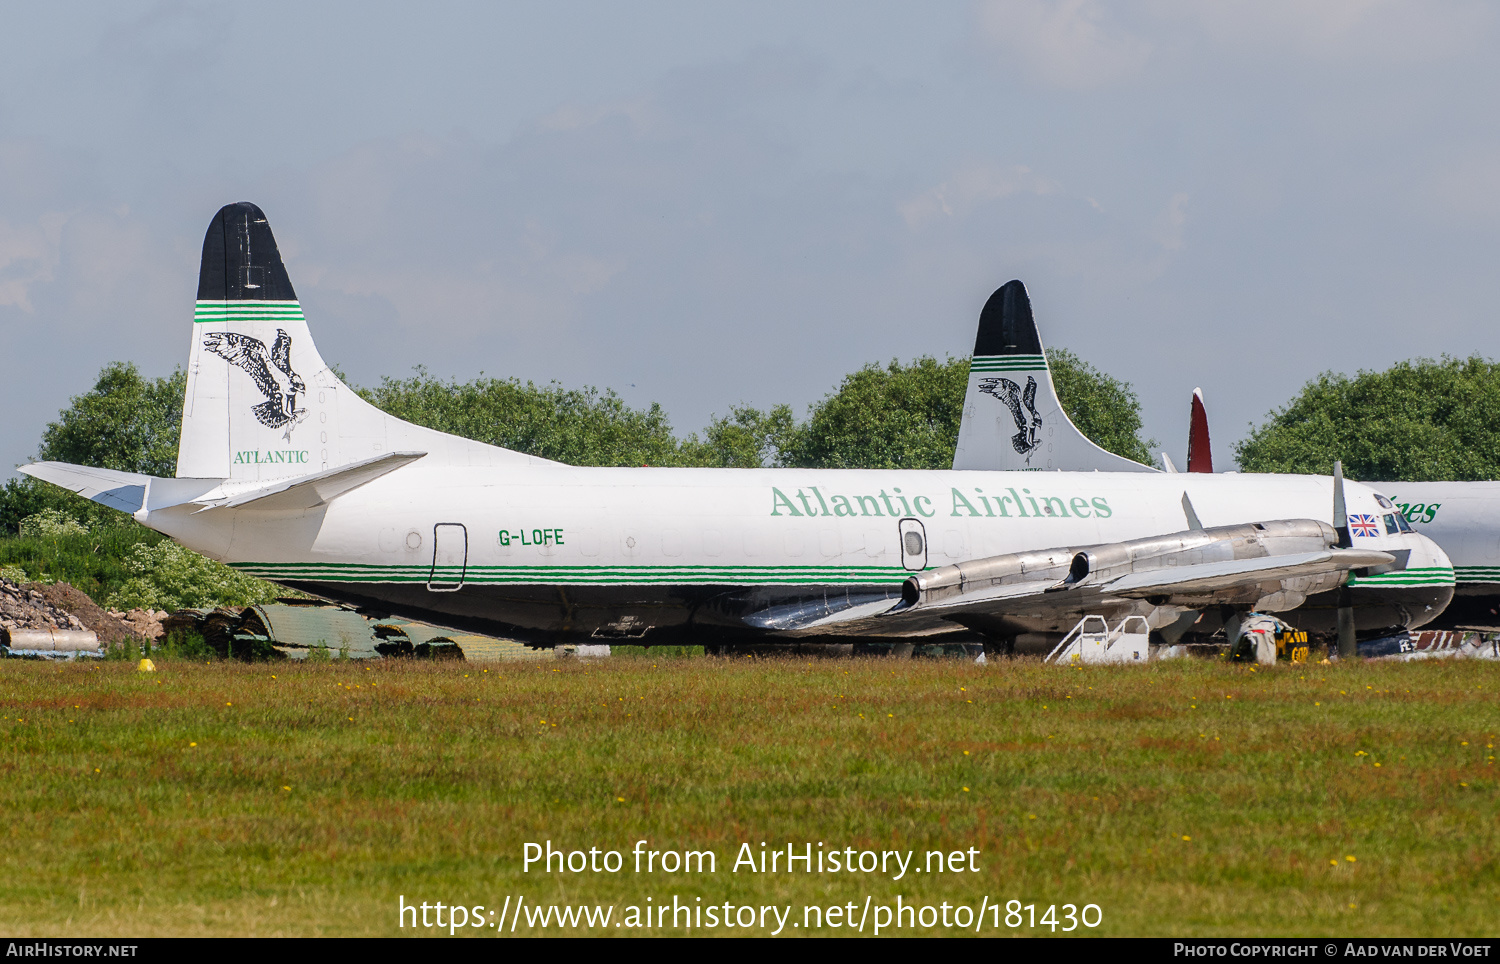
x: 111, y: 631
x: 23, y: 607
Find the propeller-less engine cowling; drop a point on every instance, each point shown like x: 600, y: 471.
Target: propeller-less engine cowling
x: 1268, y: 567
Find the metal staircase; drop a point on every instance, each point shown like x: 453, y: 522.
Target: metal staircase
x: 1092, y: 641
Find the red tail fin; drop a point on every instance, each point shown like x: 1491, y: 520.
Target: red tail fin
x: 1200, y: 458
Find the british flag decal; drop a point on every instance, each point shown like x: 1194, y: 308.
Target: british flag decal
x: 1363, y: 525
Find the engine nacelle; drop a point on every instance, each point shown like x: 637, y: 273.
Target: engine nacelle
x: 1081, y: 566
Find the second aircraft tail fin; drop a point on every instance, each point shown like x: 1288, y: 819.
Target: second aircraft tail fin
x: 1012, y: 418
x: 1200, y: 457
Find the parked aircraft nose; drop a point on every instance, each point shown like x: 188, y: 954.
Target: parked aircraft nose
x: 1424, y: 587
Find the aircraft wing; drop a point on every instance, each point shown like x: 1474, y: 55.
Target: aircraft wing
x: 1271, y: 565
x: 1240, y: 581
x: 1217, y: 577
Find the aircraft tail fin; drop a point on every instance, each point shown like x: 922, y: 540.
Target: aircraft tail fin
x: 1200, y: 459
x: 261, y: 403
x: 1012, y: 418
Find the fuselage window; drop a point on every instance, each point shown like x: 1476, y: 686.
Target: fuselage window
x: 913, y: 543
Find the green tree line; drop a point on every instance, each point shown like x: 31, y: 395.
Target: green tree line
x: 882, y: 416
x: 1417, y: 421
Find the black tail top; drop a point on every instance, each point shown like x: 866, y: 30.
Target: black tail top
x: 1005, y: 325
x: 240, y: 260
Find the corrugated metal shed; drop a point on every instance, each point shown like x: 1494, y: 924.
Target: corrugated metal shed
x: 488, y: 648
x: 475, y: 647
x: 308, y: 627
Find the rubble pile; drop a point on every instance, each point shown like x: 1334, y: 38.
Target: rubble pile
x: 23, y: 607
x: 60, y: 595
x: 294, y: 631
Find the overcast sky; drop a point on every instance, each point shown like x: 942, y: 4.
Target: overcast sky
x: 704, y: 203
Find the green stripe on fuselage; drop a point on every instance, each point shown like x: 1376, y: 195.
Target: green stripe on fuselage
x: 1477, y: 574
x: 1420, y: 576
x: 593, y: 575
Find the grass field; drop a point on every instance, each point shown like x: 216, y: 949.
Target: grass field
x: 1184, y: 798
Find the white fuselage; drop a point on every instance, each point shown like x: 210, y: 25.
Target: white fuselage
x: 675, y: 538
x: 1464, y: 519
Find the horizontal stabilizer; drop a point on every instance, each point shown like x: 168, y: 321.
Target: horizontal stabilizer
x: 1215, y: 576
x: 125, y: 491
x: 310, y: 491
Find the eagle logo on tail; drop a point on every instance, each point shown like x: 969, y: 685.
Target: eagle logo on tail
x: 271, y: 370
x: 1026, y: 440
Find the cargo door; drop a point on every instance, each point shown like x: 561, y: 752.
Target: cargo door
x: 913, y: 545
x: 450, y: 557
